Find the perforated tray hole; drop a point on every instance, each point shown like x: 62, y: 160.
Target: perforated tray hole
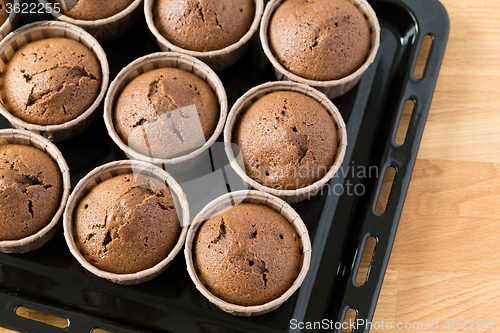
x: 423, y: 55
x: 404, y: 122
x: 385, y: 190
x: 349, y: 319
x: 100, y: 330
x: 41, y: 317
x: 366, y: 261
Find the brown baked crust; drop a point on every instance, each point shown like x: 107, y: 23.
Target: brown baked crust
x: 30, y: 190
x: 121, y: 227
x: 287, y: 140
x: 92, y: 9
x: 248, y: 255
x: 51, y: 81
x: 156, y: 93
x: 3, y: 11
x: 203, y: 25
x: 319, y: 39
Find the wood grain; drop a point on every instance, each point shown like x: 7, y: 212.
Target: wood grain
x: 445, y: 263
x: 464, y: 119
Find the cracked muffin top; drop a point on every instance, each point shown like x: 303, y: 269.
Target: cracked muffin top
x: 3, y: 12
x: 51, y: 81
x: 319, y: 39
x: 92, y: 9
x: 126, y: 226
x: 247, y: 255
x: 30, y: 190
x: 203, y: 25
x: 287, y: 140
x: 144, y: 119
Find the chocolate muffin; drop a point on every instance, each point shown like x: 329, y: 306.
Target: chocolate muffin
x: 92, y: 9
x: 287, y: 140
x: 203, y: 25
x: 121, y: 226
x: 3, y: 11
x: 319, y: 39
x: 144, y: 119
x: 247, y: 255
x: 51, y: 81
x: 30, y: 190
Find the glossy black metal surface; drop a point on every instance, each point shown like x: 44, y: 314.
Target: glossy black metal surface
x: 51, y: 281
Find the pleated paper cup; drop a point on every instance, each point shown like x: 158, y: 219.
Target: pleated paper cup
x: 48, y: 29
x: 106, y: 172
x: 218, y: 60
x: 245, y: 101
x: 165, y: 60
x: 104, y: 29
x: 226, y: 202
x: 12, y: 21
x: 35, y: 241
x: 331, y: 88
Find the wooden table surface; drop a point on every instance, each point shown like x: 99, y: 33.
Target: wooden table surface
x: 445, y: 263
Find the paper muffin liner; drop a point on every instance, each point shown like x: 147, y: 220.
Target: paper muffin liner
x: 225, y: 202
x: 218, y: 60
x: 331, y: 88
x: 108, y: 171
x: 48, y: 29
x: 104, y: 29
x: 251, y: 96
x: 35, y: 241
x: 162, y: 60
x: 11, y: 23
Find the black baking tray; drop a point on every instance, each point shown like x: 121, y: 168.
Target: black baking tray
x: 50, y: 279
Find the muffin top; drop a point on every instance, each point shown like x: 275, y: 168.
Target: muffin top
x: 319, y: 39
x: 30, y: 190
x: 51, y: 81
x: 3, y: 12
x: 203, y: 25
x: 166, y: 112
x: 124, y: 225
x: 92, y: 9
x: 288, y: 140
x: 247, y: 255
